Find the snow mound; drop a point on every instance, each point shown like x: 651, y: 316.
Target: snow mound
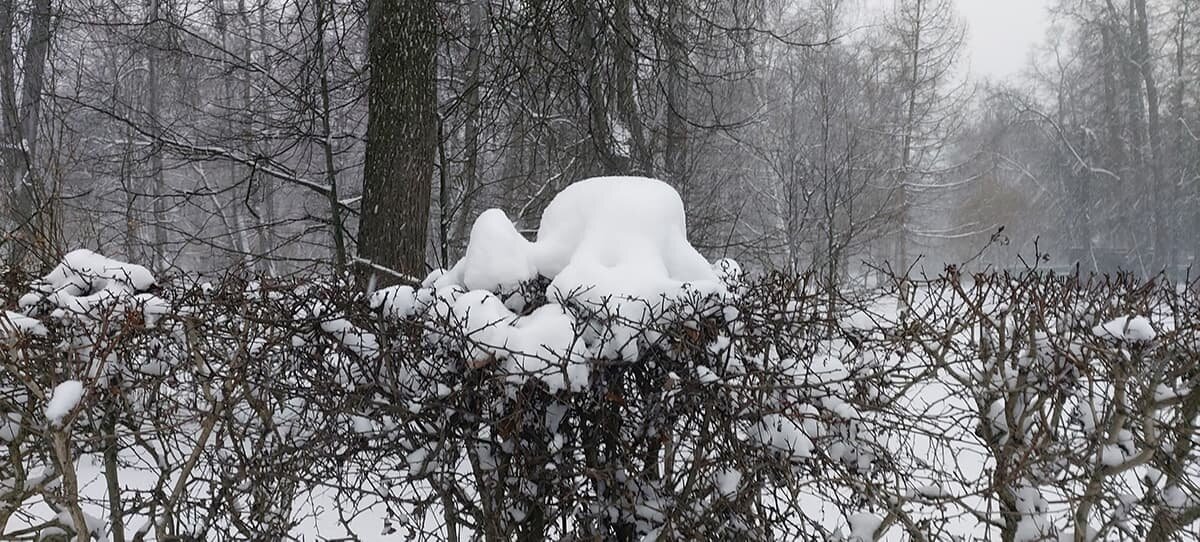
x: 86, y: 284
x: 600, y: 240
x: 631, y: 230
x: 1133, y: 329
x: 396, y: 302
x: 540, y: 345
x: 63, y: 400
x: 83, y: 269
x: 497, y: 256
x: 611, y: 258
x: 543, y: 345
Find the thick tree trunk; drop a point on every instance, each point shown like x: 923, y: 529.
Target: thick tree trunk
x: 232, y: 199
x: 1135, y: 126
x: 34, y: 77
x: 266, y: 243
x: 401, y: 136
x: 1112, y: 151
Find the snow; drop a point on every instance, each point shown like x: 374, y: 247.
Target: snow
x: 95, y: 525
x: 362, y: 425
x: 1033, y: 525
x: 15, y: 322
x: 781, y: 434
x: 616, y: 255
x: 485, y: 321
x: 1175, y: 497
x: 153, y: 308
x: 497, y: 256
x: 729, y: 272
x: 608, y: 242
x: 1111, y: 455
x: 539, y: 345
x: 728, y: 482
x: 863, y: 526
x: 1133, y: 329
x: 543, y: 345
x: 10, y: 426
x: 83, y: 264
x: 395, y: 302
x: 933, y: 491
x: 615, y: 222
x: 63, y: 400
x: 86, y: 284
x: 363, y: 344
x: 1089, y: 414
x: 1163, y: 392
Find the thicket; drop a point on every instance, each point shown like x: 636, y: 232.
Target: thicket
x: 1004, y: 406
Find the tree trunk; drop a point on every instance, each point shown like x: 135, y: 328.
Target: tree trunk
x: 625, y: 90
x: 675, y: 153
x: 116, y: 512
x: 1180, y: 174
x: 471, y: 128
x: 335, y: 211
x: 266, y: 244
x: 401, y: 136
x: 21, y: 125
x: 1154, y: 154
x: 1134, y: 173
x: 154, y: 89
x: 906, y: 150
x: 589, y: 58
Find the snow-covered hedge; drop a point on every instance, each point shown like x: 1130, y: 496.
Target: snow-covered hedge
x: 601, y: 382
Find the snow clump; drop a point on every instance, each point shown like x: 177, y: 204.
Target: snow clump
x: 601, y: 241
x: 12, y: 323
x: 63, y: 400
x: 1133, y: 329
x: 611, y: 258
x: 86, y: 285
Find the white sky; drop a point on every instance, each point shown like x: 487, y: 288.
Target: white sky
x: 1001, y: 34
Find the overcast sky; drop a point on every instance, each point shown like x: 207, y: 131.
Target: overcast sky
x: 1001, y: 34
